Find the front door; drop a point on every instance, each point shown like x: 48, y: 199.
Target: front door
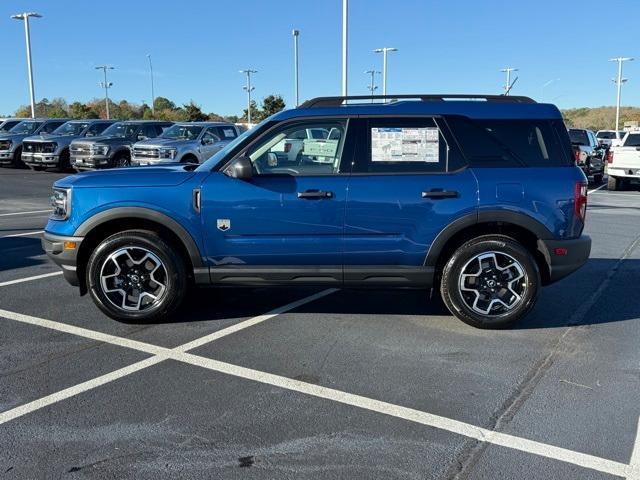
x: 408, y: 182
x: 285, y: 223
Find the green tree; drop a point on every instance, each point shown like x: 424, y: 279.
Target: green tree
x: 162, y: 103
x: 80, y: 110
x: 272, y: 104
x: 23, y: 111
x: 255, y: 113
x: 194, y: 113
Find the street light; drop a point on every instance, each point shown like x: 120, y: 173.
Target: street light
x: 25, y: 17
x: 508, y: 86
x: 545, y: 85
x: 296, y: 34
x: 619, y: 81
x: 372, y: 86
x: 153, y: 97
x: 106, y: 85
x: 384, y: 52
x: 345, y: 39
x: 248, y: 88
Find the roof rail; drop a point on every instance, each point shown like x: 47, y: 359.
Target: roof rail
x: 338, y: 101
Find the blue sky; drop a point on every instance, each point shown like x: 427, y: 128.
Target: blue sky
x: 454, y: 46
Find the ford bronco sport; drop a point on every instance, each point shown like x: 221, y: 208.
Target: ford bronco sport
x: 475, y: 195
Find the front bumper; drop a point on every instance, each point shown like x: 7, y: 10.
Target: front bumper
x: 40, y: 159
x: 142, y: 161
x: 565, y: 256
x: 91, y: 162
x: 65, y: 258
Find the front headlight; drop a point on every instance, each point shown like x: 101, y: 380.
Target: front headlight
x: 167, y: 153
x: 49, y: 147
x: 99, y: 149
x: 61, y: 203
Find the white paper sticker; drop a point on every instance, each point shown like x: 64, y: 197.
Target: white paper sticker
x: 405, y: 145
x: 228, y: 132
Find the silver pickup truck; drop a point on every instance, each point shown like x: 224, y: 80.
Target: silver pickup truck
x: 192, y: 142
x: 11, y: 141
x: 47, y: 151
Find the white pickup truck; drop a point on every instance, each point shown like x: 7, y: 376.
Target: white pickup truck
x: 624, y: 161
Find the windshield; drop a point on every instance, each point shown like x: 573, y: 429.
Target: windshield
x: 221, y: 154
x: 26, y: 127
x: 71, y: 128
x: 578, y: 137
x: 121, y: 130
x: 8, y: 125
x: 182, y: 132
x: 608, y: 135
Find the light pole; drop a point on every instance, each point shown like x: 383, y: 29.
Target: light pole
x: 25, y: 17
x: 384, y: 52
x: 153, y: 97
x: 372, y: 86
x: 619, y: 81
x: 545, y: 85
x: 248, y: 89
x: 508, y: 85
x: 106, y: 85
x: 296, y: 34
x: 345, y: 39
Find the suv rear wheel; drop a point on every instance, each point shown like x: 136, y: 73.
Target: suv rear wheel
x: 136, y: 276
x: 490, y: 282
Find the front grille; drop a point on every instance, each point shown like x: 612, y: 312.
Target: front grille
x: 146, y: 152
x: 38, y: 147
x: 5, y: 144
x: 80, y: 149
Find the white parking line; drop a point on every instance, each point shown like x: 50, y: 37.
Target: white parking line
x: 29, y: 279
x: 634, y: 464
x: 596, y: 189
x: 24, y: 213
x: 25, y: 234
x: 179, y: 354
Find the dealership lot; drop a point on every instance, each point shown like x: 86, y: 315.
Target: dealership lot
x: 290, y: 383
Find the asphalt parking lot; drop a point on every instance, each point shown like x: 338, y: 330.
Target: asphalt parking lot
x: 305, y: 383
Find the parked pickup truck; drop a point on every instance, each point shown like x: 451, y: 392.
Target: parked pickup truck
x: 624, y: 162
x: 607, y: 137
x: 113, y: 147
x: 11, y: 141
x: 7, y: 124
x: 192, y: 142
x: 588, y: 152
x: 46, y: 151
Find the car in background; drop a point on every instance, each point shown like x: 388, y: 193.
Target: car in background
x: 606, y: 137
x: 11, y: 141
x: 192, y: 142
x: 623, y: 162
x: 588, y: 153
x: 113, y: 147
x: 291, y: 149
x: 7, y: 124
x: 47, y: 151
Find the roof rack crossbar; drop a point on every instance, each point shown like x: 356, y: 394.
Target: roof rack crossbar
x: 338, y: 101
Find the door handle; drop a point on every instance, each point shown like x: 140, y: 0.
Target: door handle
x: 439, y: 194
x: 315, y: 194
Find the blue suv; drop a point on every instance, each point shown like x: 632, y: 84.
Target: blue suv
x: 478, y: 196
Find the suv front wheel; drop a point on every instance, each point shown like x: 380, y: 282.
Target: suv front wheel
x: 136, y: 276
x: 490, y: 282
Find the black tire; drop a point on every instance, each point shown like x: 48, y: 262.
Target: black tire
x: 17, y: 159
x: 121, y: 159
x: 37, y: 168
x: 64, y: 164
x: 137, y: 241
x: 613, y: 183
x: 189, y: 159
x: 597, y: 179
x: 464, y: 257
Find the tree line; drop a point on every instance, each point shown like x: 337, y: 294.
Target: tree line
x: 600, y: 118
x: 164, y: 109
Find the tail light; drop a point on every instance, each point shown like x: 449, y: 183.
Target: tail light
x: 287, y: 147
x: 580, y: 200
x: 610, y: 156
x: 576, y: 155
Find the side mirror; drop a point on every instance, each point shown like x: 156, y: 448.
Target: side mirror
x: 241, y: 168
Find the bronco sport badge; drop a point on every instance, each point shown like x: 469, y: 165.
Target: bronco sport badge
x: 224, y: 224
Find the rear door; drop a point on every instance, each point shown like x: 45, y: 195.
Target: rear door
x: 408, y: 182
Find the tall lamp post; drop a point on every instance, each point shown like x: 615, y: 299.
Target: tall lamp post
x: 372, y: 86
x: 508, y: 85
x: 384, y: 51
x: 345, y: 42
x: 619, y: 81
x: 25, y: 17
x: 106, y: 85
x: 296, y: 34
x: 153, y: 97
x: 248, y: 88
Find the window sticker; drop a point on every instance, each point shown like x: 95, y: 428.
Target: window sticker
x: 320, y: 148
x: 228, y: 132
x: 405, y: 145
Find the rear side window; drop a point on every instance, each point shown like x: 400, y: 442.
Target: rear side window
x: 510, y: 143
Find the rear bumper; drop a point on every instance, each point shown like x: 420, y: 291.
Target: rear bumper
x: 619, y: 172
x: 565, y: 256
x: 65, y: 258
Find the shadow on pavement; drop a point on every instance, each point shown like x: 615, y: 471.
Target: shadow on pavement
x: 19, y: 252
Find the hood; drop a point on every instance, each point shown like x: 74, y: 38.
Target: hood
x: 107, y: 140
x: 163, y: 176
x: 13, y: 136
x: 50, y: 138
x: 162, y: 142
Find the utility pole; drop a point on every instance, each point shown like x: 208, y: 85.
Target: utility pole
x: 153, y: 97
x: 248, y: 89
x: 25, y: 17
x: 508, y: 86
x: 345, y: 38
x: 296, y: 34
x: 106, y: 85
x: 372, y: 86
x: 384, y: 51
x: 619, y: 81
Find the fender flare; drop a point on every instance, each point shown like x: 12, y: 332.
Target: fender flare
x: 145, y: 214
x: 505, y: 216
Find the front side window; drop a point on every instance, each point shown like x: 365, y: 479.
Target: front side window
x: 8, y: 125
x: 210, y: 137
x: 71, y: 128
x: 294, y: 150
x: 182, y: 132
x: 121, y: 129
